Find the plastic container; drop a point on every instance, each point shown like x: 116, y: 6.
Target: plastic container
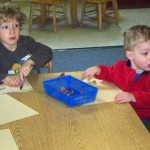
x: 70, y: 90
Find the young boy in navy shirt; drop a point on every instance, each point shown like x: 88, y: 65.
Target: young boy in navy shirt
x: 18, y: 54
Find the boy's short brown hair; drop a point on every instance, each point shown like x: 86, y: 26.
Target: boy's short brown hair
x: 135, y: 35
x: 10, y: 11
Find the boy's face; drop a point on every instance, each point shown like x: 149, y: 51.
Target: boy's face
x: 9, y: 33
x: 140, y: 56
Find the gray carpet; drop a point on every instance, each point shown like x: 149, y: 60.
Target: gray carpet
x: 79, y: 59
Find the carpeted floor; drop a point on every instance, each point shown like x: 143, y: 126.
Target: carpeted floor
x: 80, y: 59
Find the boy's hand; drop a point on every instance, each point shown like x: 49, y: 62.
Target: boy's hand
x: 124, y: 97
x: 90, y: 72
x: 12, y: 81
x: 26, y: 69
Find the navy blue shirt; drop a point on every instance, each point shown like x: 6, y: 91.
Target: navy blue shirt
x: 41, y: 54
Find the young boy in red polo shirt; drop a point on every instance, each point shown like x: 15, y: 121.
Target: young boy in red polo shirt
x: 132, y: 76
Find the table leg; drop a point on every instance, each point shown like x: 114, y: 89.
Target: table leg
x: 73, y: 11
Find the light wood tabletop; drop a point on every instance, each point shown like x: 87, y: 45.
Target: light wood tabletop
x: 106, y: 126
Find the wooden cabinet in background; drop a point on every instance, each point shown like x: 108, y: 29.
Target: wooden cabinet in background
x: 125, y: 4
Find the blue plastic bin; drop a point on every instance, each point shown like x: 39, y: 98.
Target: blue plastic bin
x: 83, y: 92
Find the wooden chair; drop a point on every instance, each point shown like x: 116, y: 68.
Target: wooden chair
x: 49, y: 66
x: 47, y: 9
x: 99, y: 7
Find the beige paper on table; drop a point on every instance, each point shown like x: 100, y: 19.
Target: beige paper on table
x: 6, y: 140
x: 7, y: 89
x: 11, y: 109
x: 106, y: 92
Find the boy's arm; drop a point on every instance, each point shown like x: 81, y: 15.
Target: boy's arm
x: 142, y: 98
x: 111, y: 73
x: 41, y: 54
x: 107, y: 73
x: 2, y: 76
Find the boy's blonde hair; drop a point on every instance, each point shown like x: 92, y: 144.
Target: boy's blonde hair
x: 10, y: 11
x: 135, y: 35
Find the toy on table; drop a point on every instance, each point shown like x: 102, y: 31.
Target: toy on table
x: 62, y: 74
x: 69, y: 92
x: 93, y: 81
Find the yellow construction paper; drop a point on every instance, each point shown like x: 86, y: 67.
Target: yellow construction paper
x: 6, y: 140
x: 7, y: 89
x: 11, y: 109
x: 106, y: 91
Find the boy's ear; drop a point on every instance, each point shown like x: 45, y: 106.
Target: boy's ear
x: 129, y: 55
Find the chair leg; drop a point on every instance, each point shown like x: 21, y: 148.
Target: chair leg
x: 116, y: 14
x: 43, y: 14
x: 65, y: 14
x: 99, y: 16
x: 82, y: 14
x: 54, y: 18
x: 50, y: 68
x: 32, y: 7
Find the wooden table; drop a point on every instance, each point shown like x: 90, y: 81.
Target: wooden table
x: 106, y: 126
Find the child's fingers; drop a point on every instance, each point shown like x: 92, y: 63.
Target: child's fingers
x: 121, y: 101
x: 83, y: 76
x: 121, y: 98
x: 21, y: 76
x: 14, y: 82
x: 24, y: 72
x: 86, y: 76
